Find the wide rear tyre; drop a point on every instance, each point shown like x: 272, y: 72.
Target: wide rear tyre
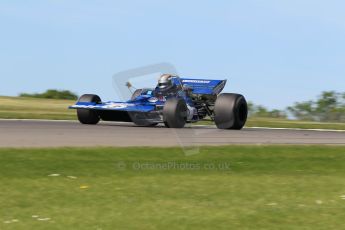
x: 87, y: 116
x: 175, y: 113
x: 231, y: 111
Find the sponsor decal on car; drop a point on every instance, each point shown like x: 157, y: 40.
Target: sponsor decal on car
x: 115, y: 106
x: 84, y: 106
x: 196, y: 81
x: 153, y: 99
x: 111, y: 105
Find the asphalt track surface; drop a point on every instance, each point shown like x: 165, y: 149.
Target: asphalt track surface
x: 32, y: 133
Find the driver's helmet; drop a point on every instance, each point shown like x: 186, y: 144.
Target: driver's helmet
x: 165, y: 82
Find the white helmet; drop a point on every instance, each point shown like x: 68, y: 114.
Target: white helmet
x: 165, y: 82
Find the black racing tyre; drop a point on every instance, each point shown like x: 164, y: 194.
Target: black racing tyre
x: 87, y: 116
x: 175, y: 113
x: 231, y: 111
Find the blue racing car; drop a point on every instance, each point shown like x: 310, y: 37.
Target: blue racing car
x: 174, y: 101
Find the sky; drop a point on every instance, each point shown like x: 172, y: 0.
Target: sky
x: 273, y: 52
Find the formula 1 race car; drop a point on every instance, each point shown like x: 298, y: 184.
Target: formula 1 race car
x: 175, y: 101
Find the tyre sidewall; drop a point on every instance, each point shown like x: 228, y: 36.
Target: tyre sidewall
x: 87, y: 116
x: 228, y: 111
x: 175, y: 113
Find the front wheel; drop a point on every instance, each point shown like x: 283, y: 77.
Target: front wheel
x: 87, y: 116
x: 231, y: 111
x: 175, y: 113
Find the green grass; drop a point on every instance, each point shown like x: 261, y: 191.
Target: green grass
x: 284, y: 123
x: 261, y: 187
x: 34, y: 108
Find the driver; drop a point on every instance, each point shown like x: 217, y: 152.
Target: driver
x: 166, y: 85
x: 165, y: 82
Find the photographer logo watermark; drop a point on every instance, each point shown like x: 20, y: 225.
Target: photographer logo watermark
x: 173, y: 166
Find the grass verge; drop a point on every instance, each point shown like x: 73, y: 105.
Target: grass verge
x: 284, y: 123
x: 237, y: 187
x: 35, y: 108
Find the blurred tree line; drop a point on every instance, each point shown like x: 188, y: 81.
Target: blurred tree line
x: 53, y: 94
x: 261, y: 111
x: 329, y: 106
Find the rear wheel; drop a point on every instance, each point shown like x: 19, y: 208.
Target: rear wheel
x: 230, y: 111
x: 175, y: 113
x: 87, y: 116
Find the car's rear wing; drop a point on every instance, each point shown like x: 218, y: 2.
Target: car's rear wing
x: 203, y: 86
